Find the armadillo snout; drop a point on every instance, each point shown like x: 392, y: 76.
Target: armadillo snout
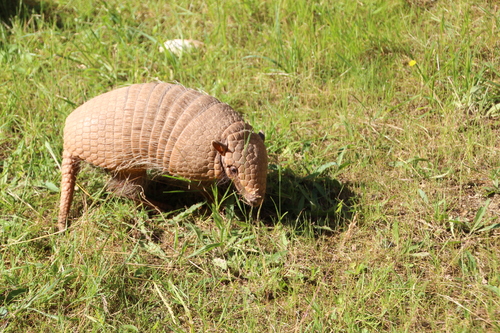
x: 253, y: 200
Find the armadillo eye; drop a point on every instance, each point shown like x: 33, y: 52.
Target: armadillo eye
x: 233, y: 170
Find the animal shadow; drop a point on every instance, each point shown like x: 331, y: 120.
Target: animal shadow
x: 318, y: 202
x: 23, y: 9
x: 305, y: 202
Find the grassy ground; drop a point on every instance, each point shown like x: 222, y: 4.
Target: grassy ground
x: 384, y: 185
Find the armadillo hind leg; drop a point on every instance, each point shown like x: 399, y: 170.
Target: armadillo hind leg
x: 70, y: 168
x: 128, y: 183
x: 134, y: 184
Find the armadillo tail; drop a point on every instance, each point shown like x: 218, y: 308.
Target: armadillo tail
x: 70, y: 168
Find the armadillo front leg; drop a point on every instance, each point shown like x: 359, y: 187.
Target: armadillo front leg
x: 70, y: 168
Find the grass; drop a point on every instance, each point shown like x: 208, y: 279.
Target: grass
x: 383, y: 132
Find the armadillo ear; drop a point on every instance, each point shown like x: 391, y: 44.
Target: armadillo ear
x: 220, y: 147
x: 262, y: 136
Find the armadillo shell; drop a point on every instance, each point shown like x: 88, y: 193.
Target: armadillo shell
x: 160, y: 126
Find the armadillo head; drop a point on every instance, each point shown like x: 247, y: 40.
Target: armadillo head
x: 244, y: 160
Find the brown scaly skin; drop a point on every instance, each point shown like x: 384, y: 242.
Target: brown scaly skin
x: 167, y: 128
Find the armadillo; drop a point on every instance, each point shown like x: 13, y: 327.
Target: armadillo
x: 166, y: 128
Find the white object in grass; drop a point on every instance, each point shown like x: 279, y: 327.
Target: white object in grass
x: 179, y: 46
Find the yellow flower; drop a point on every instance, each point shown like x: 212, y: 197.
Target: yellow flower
x: 412, y: 63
